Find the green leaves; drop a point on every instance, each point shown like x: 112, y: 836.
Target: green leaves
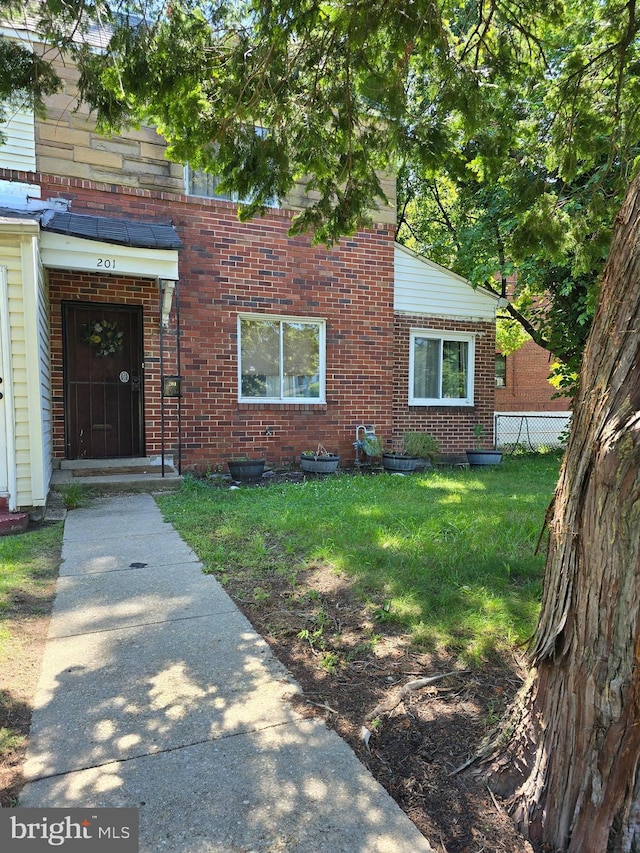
x: 514, y: 122
x: 538, y: 157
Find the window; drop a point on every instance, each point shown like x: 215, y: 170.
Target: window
x: 204, y: 184
x: 501, y: 370
x: 281, y: 360
x: 441, y: 368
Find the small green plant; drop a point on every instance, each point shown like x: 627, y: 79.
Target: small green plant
x: 421, y: 444
x: 372, y: 445
x: 260, y: 595
x: 330, y: 661
x: 479, y: 433
x: 75, y: 495
x: 319, y: 453
x: 312, y: 637
x: 383, y: 613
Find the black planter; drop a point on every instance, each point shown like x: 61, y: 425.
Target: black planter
x: 319, y: 464
x: 477, y: 458
x: 397, y: 462
x: 246, y: 470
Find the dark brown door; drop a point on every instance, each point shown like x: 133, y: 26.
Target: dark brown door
x: 103, y: 381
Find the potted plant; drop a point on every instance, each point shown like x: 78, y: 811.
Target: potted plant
x: 423, y: 445
x: 418, y: 449
x: 480, y: 456
x: 245, y: 470
x: 397, y: 462
x: 319, y: 461
x: 370, y: 444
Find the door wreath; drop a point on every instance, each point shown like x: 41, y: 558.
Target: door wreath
x: 105, y: 337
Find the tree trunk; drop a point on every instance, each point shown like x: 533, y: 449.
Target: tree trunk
x: 568, y: 756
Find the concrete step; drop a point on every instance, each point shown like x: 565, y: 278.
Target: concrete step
x: 143, y: 474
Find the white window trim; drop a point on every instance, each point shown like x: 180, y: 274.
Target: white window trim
x: 445, y: 335
x: 233, y: 198
x: 320, y: 400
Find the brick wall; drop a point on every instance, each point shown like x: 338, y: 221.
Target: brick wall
x: 228, y: 267
x: 452, y: 425
x: 527, y: 388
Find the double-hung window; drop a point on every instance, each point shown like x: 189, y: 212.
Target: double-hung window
x: 281, y: 359
x: 441, y: 368
x: 206, y: 185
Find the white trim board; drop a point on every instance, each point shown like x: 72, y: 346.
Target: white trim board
x: 59, y: 251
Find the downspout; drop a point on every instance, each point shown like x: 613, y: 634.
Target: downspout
x: 179, y: 367
x: 161, y: 318
x: 7, y: 391
x: 167, y: 288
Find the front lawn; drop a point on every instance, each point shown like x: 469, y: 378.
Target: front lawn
x: 29, y: 565
x: 447, y: 556
x: 362, y: 584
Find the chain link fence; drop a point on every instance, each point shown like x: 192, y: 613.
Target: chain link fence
x: 531, y: 431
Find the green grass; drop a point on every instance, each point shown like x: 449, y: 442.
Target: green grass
x: 448, y: 554
x: 28, y: 564
x: 75, y: 495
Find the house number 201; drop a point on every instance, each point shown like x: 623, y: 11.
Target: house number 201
x: 106, y: 263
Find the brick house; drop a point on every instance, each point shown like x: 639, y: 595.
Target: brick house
x: 126, y: 281
x: 528, y: 411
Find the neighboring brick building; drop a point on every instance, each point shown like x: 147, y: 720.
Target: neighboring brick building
x: 528, y: 410
x: 124, y: 274
x: 525, y: 385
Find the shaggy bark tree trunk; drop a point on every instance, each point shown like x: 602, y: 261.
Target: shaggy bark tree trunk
x: 568, y: 755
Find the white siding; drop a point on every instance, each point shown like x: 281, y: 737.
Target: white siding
x: 44, y: 332
x: 19, y: 150
x: 32, y: 464
x: 423, y: 287
x: 7, y: 431
x: 29, y: 355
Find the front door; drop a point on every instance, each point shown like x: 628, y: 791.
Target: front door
x: 103, y: 380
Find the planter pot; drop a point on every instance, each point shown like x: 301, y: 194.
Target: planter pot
x: 319, y: 465
x: 398, y: 462
x: 484, y: 457
x: 246, y: 470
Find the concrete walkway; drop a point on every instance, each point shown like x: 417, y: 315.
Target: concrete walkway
x: 157, y: 694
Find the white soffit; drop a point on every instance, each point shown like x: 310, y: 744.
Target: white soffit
x: 59, y: 251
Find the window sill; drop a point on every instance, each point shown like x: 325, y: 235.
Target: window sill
x: 297, y: 406
x: 442, y: 404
